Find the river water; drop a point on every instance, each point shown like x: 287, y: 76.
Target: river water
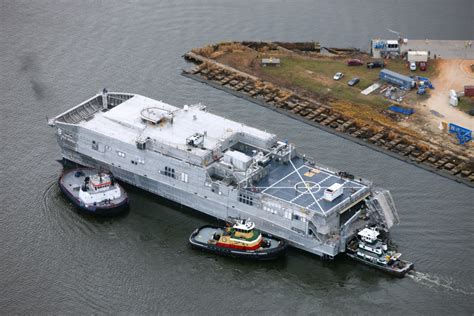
x: 55, y: 54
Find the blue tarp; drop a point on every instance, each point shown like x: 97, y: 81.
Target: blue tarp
x: 399, y: 109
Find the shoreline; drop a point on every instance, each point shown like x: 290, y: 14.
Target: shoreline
x: 229, y: 67
x: 328, y: 129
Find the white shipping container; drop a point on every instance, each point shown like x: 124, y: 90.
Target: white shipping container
x: 453, y: 101
x: 239, y: 160
x: 333, y: 192
x: 417, y: 56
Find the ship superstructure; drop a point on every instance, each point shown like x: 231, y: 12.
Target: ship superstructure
x: 222, y: 168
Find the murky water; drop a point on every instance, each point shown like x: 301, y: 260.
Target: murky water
x: 55, y: 54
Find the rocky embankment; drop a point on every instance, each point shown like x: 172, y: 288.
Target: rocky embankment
x: 432, y: 157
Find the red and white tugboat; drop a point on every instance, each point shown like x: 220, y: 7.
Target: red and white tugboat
x: 93, y: 192
x: 240, y: 240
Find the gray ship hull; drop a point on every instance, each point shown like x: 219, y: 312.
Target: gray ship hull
x: 221, y: 168
x: 200, y: 203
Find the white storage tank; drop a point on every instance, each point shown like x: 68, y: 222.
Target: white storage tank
x: 333, y: 192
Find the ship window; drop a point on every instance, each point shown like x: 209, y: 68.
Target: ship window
x: 243, y: 198
x: 95, y: 146
x: 169, y: 172
x: 121, y: 154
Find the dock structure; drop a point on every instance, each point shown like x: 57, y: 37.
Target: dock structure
x: 447, y: 49
x: 452, y: 165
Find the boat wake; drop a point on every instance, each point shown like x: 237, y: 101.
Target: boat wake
x: 433, y: 281
x: 78, y: 231
x: 61, y: 214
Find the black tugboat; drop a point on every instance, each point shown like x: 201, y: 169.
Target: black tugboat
x: 93, y: 192
x: 241, y: 240
x: 371, y: 250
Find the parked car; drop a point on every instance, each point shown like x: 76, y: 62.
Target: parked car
x: 354, y: 62
x: 338, y: 76
x: 412, y: 66
x: 422, y: 66
x: 353, y: 81
x: 375, y: 64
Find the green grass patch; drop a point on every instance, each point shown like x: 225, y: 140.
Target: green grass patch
x: 316, y: 75
x: 466, y: 104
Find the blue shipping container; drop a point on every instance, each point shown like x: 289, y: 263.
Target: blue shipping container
x: 400, y: 80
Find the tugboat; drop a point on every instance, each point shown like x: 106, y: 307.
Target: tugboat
x: 241, y: 240
x: 93, y: 192
x: 371, y: 250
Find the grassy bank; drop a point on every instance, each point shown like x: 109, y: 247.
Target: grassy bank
x: 466, y: 104
x: 316, y: 75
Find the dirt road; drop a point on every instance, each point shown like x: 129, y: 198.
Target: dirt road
x: 453, y: 74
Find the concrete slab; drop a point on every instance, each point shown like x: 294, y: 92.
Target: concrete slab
x: 447, y: 49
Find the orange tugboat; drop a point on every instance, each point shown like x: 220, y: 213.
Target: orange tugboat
x: 240, y: 240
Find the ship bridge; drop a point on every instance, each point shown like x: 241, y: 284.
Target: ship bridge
x: 189, y: 133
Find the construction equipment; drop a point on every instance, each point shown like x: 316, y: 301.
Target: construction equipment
x: 421, y: 88
x: 395, y: 32
x: 425, y: 81
x: 463, y: 134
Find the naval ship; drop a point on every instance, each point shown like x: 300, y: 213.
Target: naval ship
x: 222, y: 168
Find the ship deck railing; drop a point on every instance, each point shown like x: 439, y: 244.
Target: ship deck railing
x: 86, y: 109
